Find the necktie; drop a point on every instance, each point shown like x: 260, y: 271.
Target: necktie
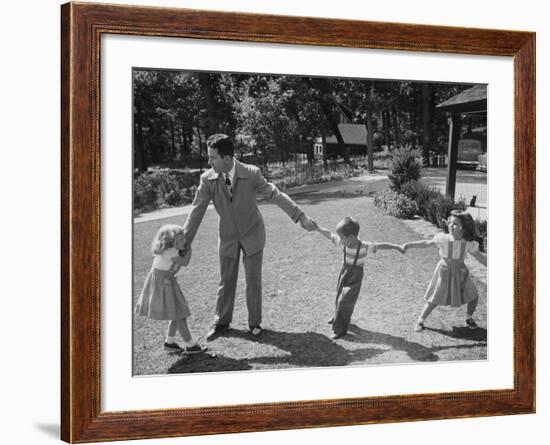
x: 228, y: 183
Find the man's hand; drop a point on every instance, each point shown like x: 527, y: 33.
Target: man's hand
x: 307, y: 223
x: 183, y: 257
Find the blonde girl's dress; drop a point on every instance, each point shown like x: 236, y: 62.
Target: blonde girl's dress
x: 451, y: 284
x: 161, y: 297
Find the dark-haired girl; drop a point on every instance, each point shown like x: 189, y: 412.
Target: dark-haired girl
x: 451, y: 284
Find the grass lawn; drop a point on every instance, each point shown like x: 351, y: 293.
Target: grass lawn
x: 300, y: 270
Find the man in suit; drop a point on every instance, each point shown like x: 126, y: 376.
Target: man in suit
x: 233, y: 188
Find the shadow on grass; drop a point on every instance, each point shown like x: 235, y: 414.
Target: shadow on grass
x: 463, y: 333
x: 311, y: 349
x: 307, y: 349
x: 207, y: 362
x: 416, y: 351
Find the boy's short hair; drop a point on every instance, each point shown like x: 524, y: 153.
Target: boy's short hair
x: 348, y: 226
x: 222, y: 143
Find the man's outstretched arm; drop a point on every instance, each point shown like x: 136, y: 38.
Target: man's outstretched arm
x: 270, y: 192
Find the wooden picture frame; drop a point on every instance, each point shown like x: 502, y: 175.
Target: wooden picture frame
x: 82, y: 26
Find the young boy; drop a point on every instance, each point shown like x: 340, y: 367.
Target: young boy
x: 351, y: 275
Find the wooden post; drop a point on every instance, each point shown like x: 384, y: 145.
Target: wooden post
x: 452, y: 156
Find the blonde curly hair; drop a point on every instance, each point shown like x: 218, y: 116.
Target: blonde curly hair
x: 164, y: 239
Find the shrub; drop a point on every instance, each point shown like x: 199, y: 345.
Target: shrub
x: 481, y: 232
x: 163, y: 188
x: 437, y: 210
x: 292, y: 175
x: 432, y: 205
x: 378, y: 141
x: 145, y: 193
x: 380, y: 198
x: 405, y: 165
x: 419, y: 192
x: 395, y: 204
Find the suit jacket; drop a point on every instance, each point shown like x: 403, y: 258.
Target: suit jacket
x: 240, y: 219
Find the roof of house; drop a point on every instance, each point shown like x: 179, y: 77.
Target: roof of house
x: 353, y: 134
x: 470, y: 100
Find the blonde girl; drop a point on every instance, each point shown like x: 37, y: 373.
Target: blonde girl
x: 451, y: 284
x: 161, y: 297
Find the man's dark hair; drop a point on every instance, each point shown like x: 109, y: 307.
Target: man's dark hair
x: 222, y: 143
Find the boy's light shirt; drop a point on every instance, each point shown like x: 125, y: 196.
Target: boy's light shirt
x: 366, y: 246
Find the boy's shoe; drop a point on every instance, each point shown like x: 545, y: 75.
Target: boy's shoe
x: 256, y: 331
x: 172, y: 347
x: 419, y: 327
x: 471, y: 323
x: 338, y: 335
x: 215, y: 331
x: 195, y: 349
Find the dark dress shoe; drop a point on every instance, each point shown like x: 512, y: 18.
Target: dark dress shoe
x: 215, y: 331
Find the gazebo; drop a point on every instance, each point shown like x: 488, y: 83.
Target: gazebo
x: 472, y: 101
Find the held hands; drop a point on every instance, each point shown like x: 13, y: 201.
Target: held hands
x: 402, y: 248
x: 390, y: 246
x: 184, y: 256
x: 307, y: 223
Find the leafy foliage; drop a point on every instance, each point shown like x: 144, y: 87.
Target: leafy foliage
x: 395, y: 203
x: 481, y: 234
x: 163, y: 188
x: 405, y: 166
x: 175, y: 111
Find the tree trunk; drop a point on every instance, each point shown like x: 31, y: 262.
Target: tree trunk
x: 310, y: 153
x: 426, y: 122
x: 370, y: 145
x: 336, y: 131
x: 139, y: 149
x: 186, y: 146
x: 200, y: 150
x: 172, y: 141
x: 322, y: 85
x: 396, y: 130
x: 207, y: 89
x: 156, y: 145
x: 452, y: 154
x: 325, y: 159
x: 386, y: 124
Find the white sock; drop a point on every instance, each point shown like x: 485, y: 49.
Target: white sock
x: 170, y: 339
x: 469, y: 317
x: 191, y: 342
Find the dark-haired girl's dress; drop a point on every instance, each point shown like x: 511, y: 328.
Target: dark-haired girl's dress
x: 451, y: 284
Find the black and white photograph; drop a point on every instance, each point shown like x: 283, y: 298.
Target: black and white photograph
x: 285, y: 221
x: 133, y: 128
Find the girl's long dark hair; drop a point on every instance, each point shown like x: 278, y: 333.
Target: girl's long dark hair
x: 468, y: 224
